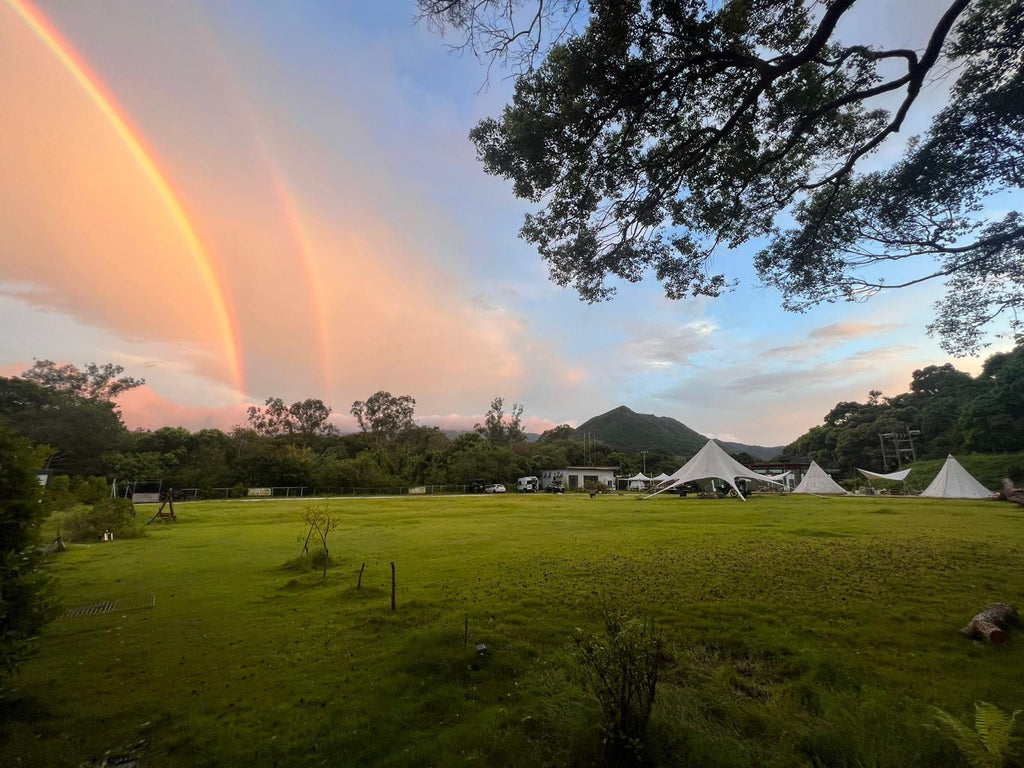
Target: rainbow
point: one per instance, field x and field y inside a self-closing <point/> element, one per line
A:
<point x="311" y="274"/>
<point x="65" y="54"/>
<point x="298" y="233"/>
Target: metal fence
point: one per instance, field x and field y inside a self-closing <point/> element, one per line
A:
<point x="311" y="491"/>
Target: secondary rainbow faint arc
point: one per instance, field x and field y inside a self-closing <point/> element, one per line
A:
<point x="65" y="54"/>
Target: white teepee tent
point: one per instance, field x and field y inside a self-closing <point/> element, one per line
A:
<point x="817" y="480"/>
<point x="955" y="482"/>
<point x="712" y="461"/>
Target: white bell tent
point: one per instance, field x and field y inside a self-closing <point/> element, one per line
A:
<point x="711" y="461"/>
<point x="955" y="482"/>
<point x="818" y="481"/>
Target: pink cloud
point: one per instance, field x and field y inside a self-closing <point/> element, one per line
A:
<point x="14" y="369"/>
<point x="145" y="408"/>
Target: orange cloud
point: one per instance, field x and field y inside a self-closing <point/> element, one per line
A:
<point x="145" y="408"/>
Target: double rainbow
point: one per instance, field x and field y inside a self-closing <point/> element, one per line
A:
<point x="66" y="55"/>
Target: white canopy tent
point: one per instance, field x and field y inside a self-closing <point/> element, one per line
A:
<point x="955" y="482"/>
<point x="712" y="461"/>
<point x="818" y="481"/>
<point x="660" y="479"/>
<point x="638" y="481"/>
<point x="897" y="477"/>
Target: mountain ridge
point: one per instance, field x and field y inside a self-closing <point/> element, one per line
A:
<point x="625" y="429"/>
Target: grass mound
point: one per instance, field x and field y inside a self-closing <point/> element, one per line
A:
<point x="315" y="560"/>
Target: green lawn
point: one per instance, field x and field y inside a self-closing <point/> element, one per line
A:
<point x="805" y="631"/>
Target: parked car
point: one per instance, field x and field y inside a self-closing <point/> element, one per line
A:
<point x="555" y="488"/>
<point x="476" y="486"/>
<point x="494" y="488"/>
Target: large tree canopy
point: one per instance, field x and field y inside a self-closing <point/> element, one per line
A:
<point x="656" y="133"/>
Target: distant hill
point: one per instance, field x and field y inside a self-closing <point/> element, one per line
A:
<point x="626" y="430"/>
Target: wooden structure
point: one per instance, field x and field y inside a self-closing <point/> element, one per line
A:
<point x="168" y="503"/>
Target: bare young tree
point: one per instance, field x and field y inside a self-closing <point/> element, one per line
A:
<point x="320" y="521"/>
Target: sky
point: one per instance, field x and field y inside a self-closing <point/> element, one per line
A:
<point x="241" y="199"/>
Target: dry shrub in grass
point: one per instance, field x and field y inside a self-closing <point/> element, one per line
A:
<point x="621" y="668"/>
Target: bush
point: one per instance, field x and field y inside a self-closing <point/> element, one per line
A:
<point x="89" y="522"/>
<point x="1015" y="470"/>
<point x="58" y="495"/>
<point x="24" y="606"/>
<point x="90" y="490"/>
<point x="621" y="668"/>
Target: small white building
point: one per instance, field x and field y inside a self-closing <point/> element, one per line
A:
<point x="579" y="478"/>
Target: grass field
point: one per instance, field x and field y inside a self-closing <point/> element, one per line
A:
<point x="804" y="631"/>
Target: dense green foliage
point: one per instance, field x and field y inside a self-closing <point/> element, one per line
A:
<point x="79" y="429"/>
<point x="88" y="522"/>
<point x="802" y="632"/>
<point x="953" y="411"/>
<point x="652" y="135"/>
<point x="22" y="603"/>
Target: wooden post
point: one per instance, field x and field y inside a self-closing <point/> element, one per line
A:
<point x="359" y="582"/>
<point x="392" y="585"/>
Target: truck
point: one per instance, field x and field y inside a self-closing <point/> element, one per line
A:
<point x="529" y="484"/>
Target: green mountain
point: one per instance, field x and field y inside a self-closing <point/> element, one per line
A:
<point x="626" y="430"/>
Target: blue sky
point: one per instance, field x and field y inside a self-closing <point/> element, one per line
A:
<point x="320" y="152"/>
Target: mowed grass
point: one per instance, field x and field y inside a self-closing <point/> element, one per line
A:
<point x="804" y="631"/>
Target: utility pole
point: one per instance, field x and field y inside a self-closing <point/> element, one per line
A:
<point x="643" y="455"/>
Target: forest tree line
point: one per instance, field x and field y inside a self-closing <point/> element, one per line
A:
<point x="953" y="411"/>
<point x="74" y="412"/>
<point x="284" y="445"/>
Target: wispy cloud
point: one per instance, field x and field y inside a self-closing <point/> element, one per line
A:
<point x="845" y="331"/>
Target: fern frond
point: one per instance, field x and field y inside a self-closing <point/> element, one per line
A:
<point x="995" y="727"/>
<point x="967" y="741"/>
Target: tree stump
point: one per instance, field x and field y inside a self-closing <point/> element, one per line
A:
<point x="993" y="623"/>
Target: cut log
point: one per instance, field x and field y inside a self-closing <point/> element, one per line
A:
<point x="993" y="623"/>
<point x="1010" y="493"/>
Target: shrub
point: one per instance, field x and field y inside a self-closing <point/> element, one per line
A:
<point x="89" y="522"/>
<point x="621" y="669"/>
<point x="90" y="490"/>
<point x="58" y="495"/>
<point x="23" y="608"/>
<point x="1015" y="469"/>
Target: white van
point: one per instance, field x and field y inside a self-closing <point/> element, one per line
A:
<point x="528" y="484"/>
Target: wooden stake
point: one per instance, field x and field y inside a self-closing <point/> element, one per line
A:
<point x="359" y="582"/>
<point x="392" y="585"/>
